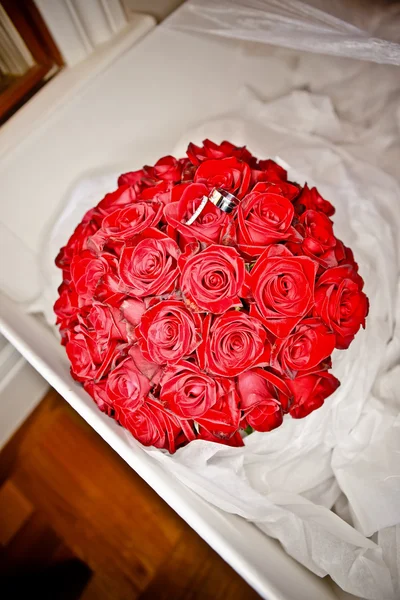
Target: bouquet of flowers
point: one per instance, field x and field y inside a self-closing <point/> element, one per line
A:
<point x="204" y="297"/>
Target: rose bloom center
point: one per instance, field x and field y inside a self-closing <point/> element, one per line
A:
<point x="127" y="388"/>
<point x="284" y="286"/>
<point x="215" y="280"/>
<point x="301" y="349"/>
<point x="269" y="215"/>
<point x="150" y="264"/>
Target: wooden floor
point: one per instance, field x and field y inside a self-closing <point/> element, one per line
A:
<point x="77" y="522"/>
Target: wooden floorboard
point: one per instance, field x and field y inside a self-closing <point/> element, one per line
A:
<point x="70" y="497"/>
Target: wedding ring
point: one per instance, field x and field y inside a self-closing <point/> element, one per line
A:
<point x="221" y="199"/>
<point x="198" y="210"/>
<point x="224" y="200"/>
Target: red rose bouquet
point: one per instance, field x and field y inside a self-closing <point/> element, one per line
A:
<point x="184" y="320"/>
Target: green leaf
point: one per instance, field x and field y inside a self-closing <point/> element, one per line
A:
<point x="249" y="430"/>
<point x="249" y="266"/>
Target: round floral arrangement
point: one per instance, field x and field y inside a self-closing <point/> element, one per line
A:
<point x="185" y="326"/>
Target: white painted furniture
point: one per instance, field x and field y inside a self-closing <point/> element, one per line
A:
<point x="21" y="388"/>
<point x="80" y="26"/>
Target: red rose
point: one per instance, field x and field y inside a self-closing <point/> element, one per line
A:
<point x="345" y="256"/>
<point x="187" y="391"/>
<point x="311" y="199"/>
<point x="221" y="422"/>
<point x="234" y="343"/>
<point x="165" y="169"/>
<point x="229" y="174"/>
<point x="126" y="389"/>
<point x="341" y="303"/>
<point x="306" y="347"/>
<point x="198" y="154"/>
<point x="310" y="391"/>
<point x="104" y="329"/>
<point x="97" y="341"/>
<point x="66" y="308"/>
<point x="282" y="188"/>
<point x="121" y="198"/>
<point x="90" y="355"/>
<point x="125" y="223"/>
<point x="87" y="270"/>
<point x="99" y="394"/>
<point x="212" y="225"/>
<point x="348" y="259"/>
<point x="148" y="267"/>
<point x="212" y="280"/>
<point x="108" y="322"/>
<point x="76" y="243"/>
<point x="168" y="332"/>
<point x="319" y="242"/>
<point x="269" y="170"/>
<point x="264" y="398"/>
<point x="188" y="170"/>
<point x="151" y="425"/>
<point x="109" y="291"/>
<point x="161" y="192"/>
<point x="137" y="180"/>
<point x="264" y="217"/>
<point x="283" y="288"/>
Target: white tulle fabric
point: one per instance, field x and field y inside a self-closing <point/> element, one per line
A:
<point x="337" y="28"/>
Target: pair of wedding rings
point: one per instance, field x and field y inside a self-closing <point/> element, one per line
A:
<point x="221" y="199"/>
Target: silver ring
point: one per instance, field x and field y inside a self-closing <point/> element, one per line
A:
<point x="224" y="200"/>
<point x="221" y="199"/>
<point x="198" y="211"/>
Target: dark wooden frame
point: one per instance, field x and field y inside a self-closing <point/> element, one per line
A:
<point x="30" y="25"/>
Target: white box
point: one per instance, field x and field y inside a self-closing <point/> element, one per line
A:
<point x="127" y="115"/>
